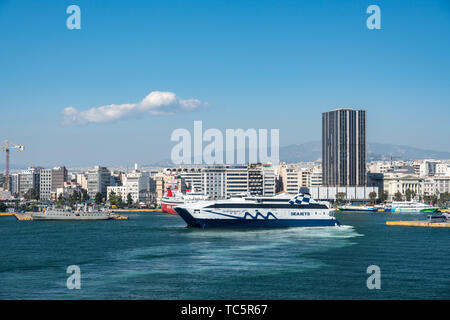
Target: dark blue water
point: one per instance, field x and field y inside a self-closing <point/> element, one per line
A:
<point x="152" y="256"/>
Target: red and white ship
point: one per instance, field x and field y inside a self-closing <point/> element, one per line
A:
<point x="173" y="199"/>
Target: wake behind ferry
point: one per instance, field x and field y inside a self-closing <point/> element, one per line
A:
<point x="248" y="212"/>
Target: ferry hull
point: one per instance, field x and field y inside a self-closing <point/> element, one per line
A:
<point x="431" y="210"/>
<point x="169" y="208"/>
<point x="410" y="210"/>
<point x="169" y="202"/>
<point x="252" y="223"/>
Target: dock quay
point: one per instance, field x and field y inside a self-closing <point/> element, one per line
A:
<point x="135" y="210"/>
<point x="419" y="224"/>
<point x="26" y="216"/>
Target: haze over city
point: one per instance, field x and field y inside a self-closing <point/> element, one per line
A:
<point x="113" y="91"/>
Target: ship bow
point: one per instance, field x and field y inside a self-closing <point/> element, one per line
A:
<point x="187" y="217"/>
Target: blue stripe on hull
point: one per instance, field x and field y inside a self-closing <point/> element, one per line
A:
<point x="253" y="223"/>
<point x="260" y="223"/>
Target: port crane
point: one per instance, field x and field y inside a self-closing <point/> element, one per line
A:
<point x="7" y="149"/>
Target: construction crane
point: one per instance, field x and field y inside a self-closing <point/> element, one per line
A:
<point x="7" y="148"/>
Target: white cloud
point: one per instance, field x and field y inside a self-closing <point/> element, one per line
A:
<point x="156" y="103"/>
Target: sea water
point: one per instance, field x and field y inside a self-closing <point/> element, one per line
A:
<point x="154" y="256"/>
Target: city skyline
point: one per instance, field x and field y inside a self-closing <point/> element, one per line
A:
<point x="423" y="177"/>
<point x="258" y="65"/>
<point x="311" y="156"/>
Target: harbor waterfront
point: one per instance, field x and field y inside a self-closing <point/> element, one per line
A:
<point x="154" y="256"/>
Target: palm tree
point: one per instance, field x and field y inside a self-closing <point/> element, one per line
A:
<point x="398" y="196"/>
<point x="373" y="197"/>
<point x="408" y="194"/>
<point x="384" y="195"/>
<point x="98" y="198"/>
<point x="129" y="200"/>
<point x="31" y="194"/>
<point x="340" y="196"/>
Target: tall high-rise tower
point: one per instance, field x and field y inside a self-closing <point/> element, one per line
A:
<point x="344" y="147"/>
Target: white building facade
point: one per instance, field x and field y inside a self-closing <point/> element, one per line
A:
<point x="45" y="184"/>
<point x="137" y="184"/>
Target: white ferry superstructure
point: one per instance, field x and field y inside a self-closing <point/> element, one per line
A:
<point x="249" y="212"/>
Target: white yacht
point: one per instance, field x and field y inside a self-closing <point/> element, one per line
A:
<point x="354" y="208"/>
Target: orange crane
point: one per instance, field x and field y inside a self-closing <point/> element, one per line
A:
<point x="7" y="148"/>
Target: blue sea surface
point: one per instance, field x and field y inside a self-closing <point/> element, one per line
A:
<point x="154" y="256"/>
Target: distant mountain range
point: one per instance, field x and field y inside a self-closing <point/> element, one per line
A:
<point x="383" y="151"/>
<point x="311" y="151"/>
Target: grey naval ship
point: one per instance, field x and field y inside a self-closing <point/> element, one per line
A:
<point x="69" y="214"/>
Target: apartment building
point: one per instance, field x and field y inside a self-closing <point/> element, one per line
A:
<point x="98" y="179"/>
<point x="45" y="184"/>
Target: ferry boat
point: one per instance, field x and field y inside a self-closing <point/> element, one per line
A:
<point x="69" y="214"/>
<point x="173" y="199"/>
<point x="249" y="212"/>
<point x="353" y="208"/>
<point x="410" y="207"/>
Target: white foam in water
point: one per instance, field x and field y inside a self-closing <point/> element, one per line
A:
<point x="279" y="233"/>
<point x="250" y="248"/>
<point x="250" y="251"/>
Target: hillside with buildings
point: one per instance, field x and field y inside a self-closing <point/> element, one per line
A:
<point x="311" y="151"/>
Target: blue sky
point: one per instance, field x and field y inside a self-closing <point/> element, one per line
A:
<point x="255" y="64"/>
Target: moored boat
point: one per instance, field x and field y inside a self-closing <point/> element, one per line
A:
<point x="409" y="207"/>
<point x="353" y="208"/>
<point x="69" y="214"/>
<point x="173" y="199"/>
